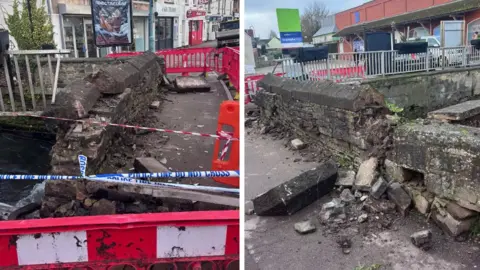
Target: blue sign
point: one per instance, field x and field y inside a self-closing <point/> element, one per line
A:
<point x="291" y="37"/>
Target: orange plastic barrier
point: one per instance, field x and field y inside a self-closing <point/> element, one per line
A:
<point x="183" y="240"/>
<point x="229" y="115"/>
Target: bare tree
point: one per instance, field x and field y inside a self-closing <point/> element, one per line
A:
<point x="311" y="19"/>
<point x="273" y="34"/>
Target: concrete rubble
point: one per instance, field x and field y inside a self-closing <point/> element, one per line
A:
<point x="305" y="227"/>
<point x="366" y="174"/>
<point x="422" y="239"/>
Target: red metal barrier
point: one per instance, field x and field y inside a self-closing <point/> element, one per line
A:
<point x="184" y="240"/>
<point x="251" y="87"/>
<point x="231" y="65"/>
<point x="225" y="61"/>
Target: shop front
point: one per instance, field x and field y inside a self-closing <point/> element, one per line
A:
<point x="196" y="26"/>
<point x="169" y="24"/>
<point x="213" y="23"/>
<point x="76" y="30"/>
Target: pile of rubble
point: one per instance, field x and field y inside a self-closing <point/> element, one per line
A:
<point x="372" y="198"/>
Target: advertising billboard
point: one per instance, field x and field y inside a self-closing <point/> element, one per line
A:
<point x="289" y="27"/>
<point x="112" y="21"/>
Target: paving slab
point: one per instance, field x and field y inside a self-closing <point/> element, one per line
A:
<point x="457" y="112"/>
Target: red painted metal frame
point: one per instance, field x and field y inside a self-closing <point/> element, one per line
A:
<point x="128" y="224"/>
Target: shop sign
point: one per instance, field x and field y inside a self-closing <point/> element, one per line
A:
<point x="169" y="1"/>
<point x="166" y="9"/>
<point x="203" y="1"/>
<point x="195" y="13"/>
<point x="112" y="21"/>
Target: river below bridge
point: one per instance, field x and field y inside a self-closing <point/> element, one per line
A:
<point x="22" y="153"/>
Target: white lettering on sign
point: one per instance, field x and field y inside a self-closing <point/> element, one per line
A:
<point x="169" y="9"/>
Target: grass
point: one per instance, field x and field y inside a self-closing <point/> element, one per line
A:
<point x="371" y="267"/>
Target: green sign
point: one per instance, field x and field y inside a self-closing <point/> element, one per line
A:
<point x="288" y="20"/>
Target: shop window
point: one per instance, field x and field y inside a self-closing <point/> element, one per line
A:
<point x="215" y="28"/>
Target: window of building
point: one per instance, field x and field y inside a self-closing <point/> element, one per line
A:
<point x="357" y="17"/>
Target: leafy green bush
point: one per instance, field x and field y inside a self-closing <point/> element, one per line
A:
<point x="19" y="25"/>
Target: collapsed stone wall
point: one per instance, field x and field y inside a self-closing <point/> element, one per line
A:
<point x="426" y="164"/>
<point x="419" y="93"/>
<point x="337" y="118"/>
<point x="118" y="94"/>
<point x="445" y="159"/>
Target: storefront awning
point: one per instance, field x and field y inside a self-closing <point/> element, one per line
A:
<point x="447" y="9"/>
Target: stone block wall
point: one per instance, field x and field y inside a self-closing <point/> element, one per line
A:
<point x="336" y="117"/>
<point x="419" y="93"/>
<point x="447" y="155"/>
<point x="105" y="97"/>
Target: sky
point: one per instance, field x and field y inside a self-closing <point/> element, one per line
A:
<point x="261" y="13"/>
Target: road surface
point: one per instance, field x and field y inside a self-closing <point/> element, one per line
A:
<point x="271" y="242"/>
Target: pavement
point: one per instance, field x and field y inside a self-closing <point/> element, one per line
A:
<point x="195" y="112"/>
<point x="272" y="243"/>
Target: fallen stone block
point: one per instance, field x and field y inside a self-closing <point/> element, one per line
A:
<point x="345" y="178"/>
<point x="367" y="172"/>
<point x="459" y="212"/>
<point x="422" y="239"/>
<point x="305" y="227"/>
<point x="74" y="101"/>
<point x="297" y="144"/>
<point x="400" y="197"/>
<point x="148" y="165"/>
<point x="457" y="112"/>
<point x="185" y="84"/>
<point x="379" y="188"/>
<point x="422" y="201"/>
<point x="450" y="225"/>
<point x="115" y="79"/>
<point x="295" y="194"/>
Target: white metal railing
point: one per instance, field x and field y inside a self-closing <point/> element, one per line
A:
<point x="344" y="67"/>
<point x="14" y="75"/>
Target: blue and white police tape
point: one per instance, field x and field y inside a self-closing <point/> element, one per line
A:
<point x="126" y="180"/>
<point x="37" y="177"/>
<point x="194" y="174"/>
<point x="117" y="179"/>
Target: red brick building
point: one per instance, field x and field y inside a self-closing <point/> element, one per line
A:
<point x="409" y="18"/>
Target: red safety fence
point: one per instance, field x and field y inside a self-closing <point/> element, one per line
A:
<point x="251" y="86"/>
<point x="186" y="60"/>
<point x="183" y="240"/>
